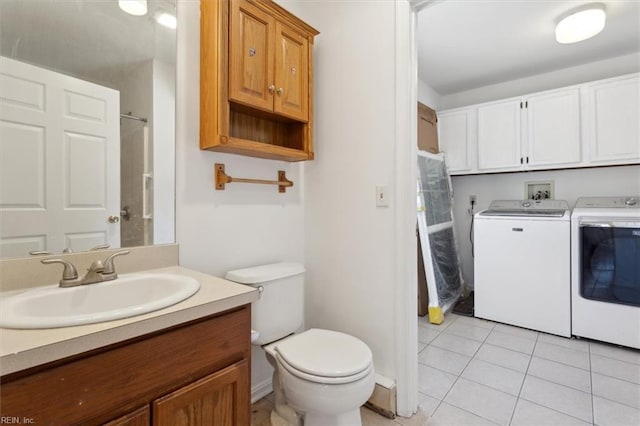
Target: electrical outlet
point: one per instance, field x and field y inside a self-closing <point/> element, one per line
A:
<point x="472" y="199"/>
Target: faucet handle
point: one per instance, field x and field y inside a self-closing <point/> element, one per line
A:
<point x="70" y="272"/>
<point x="109" y="266"/>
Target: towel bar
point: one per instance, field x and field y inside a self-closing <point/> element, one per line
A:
<point x="222" y="178"/>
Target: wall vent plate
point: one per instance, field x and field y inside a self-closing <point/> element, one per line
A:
<point x="539" y="190"/>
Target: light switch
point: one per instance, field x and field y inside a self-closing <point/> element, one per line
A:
<point x="382" y="196"/>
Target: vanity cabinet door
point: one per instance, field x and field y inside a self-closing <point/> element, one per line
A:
<point x="218" y="399"/>
<point x="140" y="417"/>
<point x="251" y="56"/>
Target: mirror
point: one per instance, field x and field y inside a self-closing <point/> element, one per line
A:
<point x="87" y="125"/>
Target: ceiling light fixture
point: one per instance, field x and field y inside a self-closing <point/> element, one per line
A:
<point x="167" y="19"/>
<point x="134" y="7"/>
<point x="581" y="23"/>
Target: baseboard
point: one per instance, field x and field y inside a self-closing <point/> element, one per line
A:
<point x="383" y="398"/>
<point x="261" y="390"/>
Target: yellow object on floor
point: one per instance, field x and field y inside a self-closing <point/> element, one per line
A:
<point x="435" y="315"/>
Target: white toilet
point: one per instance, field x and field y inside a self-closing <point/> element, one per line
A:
<point x="321" y="377"/>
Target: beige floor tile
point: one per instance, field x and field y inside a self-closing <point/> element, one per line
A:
<point x="444" y="360"/>
<point x="482" y="401"/>
<point x="504" y="357"/>
<point x="448" y="415"/>
<point x="496" y="377"/>
<point x="457" y="344"/>
<point x="557" y="397"/>
<point x="434" y="382"/>
<point x="617" y="390"/>
<point x="511" y="341"/>
<point x="562" y="374"/>
<point x="575" y="344"/>
<point x="609" y="413"/>
<point x="615" y="352"/>
<point x="530" y="414"/>
<point x="427" y="334"/>
<point x="516" y="331"/>
<point x="615" y="368"/>
<point x="563" y="355"/>
<point x="465" y="329"/>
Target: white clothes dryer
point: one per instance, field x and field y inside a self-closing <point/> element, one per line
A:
<point x="522" y="264"/>
<point x="605" y="283"/>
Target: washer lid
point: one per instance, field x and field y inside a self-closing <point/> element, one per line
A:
<point x="326" y="353"/>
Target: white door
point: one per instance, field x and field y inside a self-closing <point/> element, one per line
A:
<point x="613" y="111"/>
<point x="499" y="136"/>
<point x="59" y="161"/>
<point x="553" y="129"/>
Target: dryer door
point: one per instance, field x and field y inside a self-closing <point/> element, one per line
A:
<point x="610" y="262"/>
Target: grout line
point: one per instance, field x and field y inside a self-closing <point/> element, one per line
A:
<point x="553" y="409"/>
<point x="471" y="412"/>
<point x="524" y="378"/>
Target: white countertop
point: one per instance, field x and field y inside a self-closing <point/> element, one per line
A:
<point x="22" y="349"/>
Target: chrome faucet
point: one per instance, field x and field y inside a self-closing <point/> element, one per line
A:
<point x="97" y="272"/>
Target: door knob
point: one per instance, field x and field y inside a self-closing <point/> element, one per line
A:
<point x="114" y="219"/>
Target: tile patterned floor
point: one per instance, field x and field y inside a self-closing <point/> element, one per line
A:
<point x="476" y="372"/>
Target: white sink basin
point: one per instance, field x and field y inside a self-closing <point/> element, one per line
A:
<point x="127" y="296"/>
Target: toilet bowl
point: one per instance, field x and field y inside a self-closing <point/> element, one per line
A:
<point x="324" y="376"/>
<point x="321" y="377"/>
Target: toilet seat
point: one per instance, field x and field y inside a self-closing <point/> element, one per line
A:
<point x="325" y="356"/>
<point x="323" y="379"/>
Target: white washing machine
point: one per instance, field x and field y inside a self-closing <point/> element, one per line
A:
<point x="605" y="284"/>
<point x="522" y="264"/>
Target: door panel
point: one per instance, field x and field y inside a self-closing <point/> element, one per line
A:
<point x="251" y="56"/>
<point x="291" y="73"/>
<point x="60" y="161"/>
<point x="213" y="400"/>
<point x="499" y="136"/>
<point x="553" y="123"/>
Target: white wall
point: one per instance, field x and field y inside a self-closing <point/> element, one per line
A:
<point x="244" y="225"/>
<point x="349" y="242"/>
<point x="569" y="185"/>
<point x="565" y="77"/>
<point x="428" y="96"/>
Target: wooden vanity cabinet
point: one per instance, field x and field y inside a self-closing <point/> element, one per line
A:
<point x="256" y="80"/>
<point x="193" y="374"/>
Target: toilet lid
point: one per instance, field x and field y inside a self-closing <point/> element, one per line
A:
<point x="326" y="353"/>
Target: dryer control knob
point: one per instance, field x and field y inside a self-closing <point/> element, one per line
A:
<point x="631" y="201"/>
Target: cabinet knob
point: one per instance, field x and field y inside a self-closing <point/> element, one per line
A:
<point x="280" y="90"/>
<point x="272" y="88"/>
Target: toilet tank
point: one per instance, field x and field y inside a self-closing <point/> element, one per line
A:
<point x="279" y="310"/>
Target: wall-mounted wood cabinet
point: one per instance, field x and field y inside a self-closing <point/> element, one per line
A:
<point x="256" y="80"/>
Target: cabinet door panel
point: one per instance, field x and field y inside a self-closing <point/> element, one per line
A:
<point x="553" y="123"/>
<point x="614" y="108"/>
<point x="499" y="136"/>
<point x="220" y="399"/>
<point x="455" y="139"/>
<point x="291" y="73"/>
<point x="251" y="53"/>
<point x="140" y="417"/>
